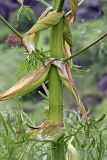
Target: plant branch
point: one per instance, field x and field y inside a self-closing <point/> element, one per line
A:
<point x="44" y="3"/>
<point x="10" y="26"/>
<point x="84" y="49"/>
<point x="79" y="4"/>
<point x="60" y="6"/>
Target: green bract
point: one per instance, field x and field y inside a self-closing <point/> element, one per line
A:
<point x="27" y="84"/>
<point x="74" y="7"/>
<point x="46" y="20"/>
<point x="67" y="33"/>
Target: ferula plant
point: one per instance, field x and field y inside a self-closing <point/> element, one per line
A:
<point x="56" y="66"/>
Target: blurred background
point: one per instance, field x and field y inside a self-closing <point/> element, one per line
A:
<point x="92" y="84"/>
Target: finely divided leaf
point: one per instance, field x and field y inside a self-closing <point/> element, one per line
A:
<point x="26" y="11"/>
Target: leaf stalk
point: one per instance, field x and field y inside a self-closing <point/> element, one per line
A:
<point x="44" y="3"/>
<point x="11" y="27"/>
<point x="84" y="49"/>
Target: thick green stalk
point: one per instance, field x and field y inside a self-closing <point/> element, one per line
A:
<point x="55" y="84"/>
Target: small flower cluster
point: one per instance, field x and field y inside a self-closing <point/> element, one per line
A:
<point x="13" y="40"/>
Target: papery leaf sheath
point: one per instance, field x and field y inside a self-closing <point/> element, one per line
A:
<point x="30" y="42"/>
<point x="67" y="40"/>
<point x="46" y="20"/>
<point x="48" y="131"/>
<point x="74" y="7"/>
<point x="67" y="32"/>
<point x="66" y="77"/>
<point x="50" y="20"/>
<point x="27" y="84"/>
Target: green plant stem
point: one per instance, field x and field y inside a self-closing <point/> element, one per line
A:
<point x="84" y="49"/>
<point x="10" y="26"/>
<point x="44" y="3"/>
<point x="60" y="6"/>
<point x="55" y="84"/>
